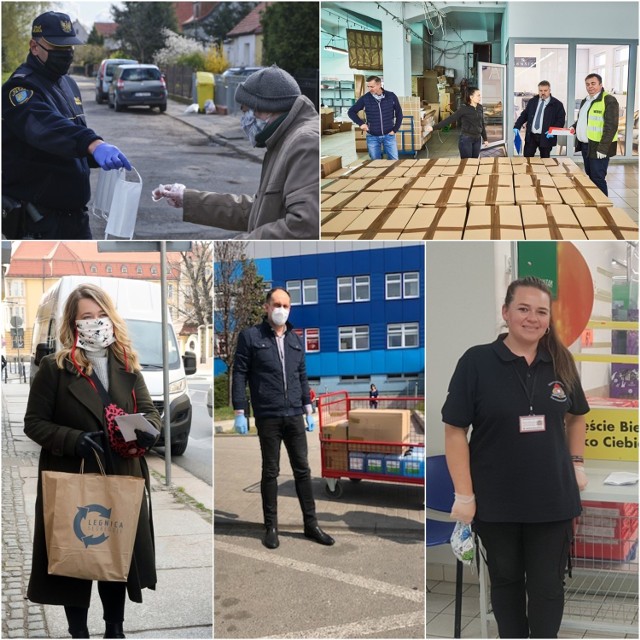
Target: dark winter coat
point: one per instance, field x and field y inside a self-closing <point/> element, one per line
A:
<point x="611" y="120"/>
<point x="257" y="363"/>
<point x="553" y="116"/>
<point x="383" y="116"/>
<point x="61" y="406"/>
<point x="471" y="121"/>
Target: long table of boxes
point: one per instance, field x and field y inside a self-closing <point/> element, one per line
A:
<point x="472" y="199"/>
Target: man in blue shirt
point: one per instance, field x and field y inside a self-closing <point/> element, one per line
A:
<point x="384" y="118"/>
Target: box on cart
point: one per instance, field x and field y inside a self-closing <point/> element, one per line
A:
<point x="381" y="425"/>
<point x="336" y="454"/>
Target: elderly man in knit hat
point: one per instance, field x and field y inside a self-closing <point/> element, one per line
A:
<point x="276" y="116"/>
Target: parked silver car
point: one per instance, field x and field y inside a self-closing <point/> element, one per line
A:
<point x="138" y="85"/>
<point x="105" y="75"/>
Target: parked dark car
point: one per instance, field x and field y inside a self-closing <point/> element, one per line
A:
<point x="138" y="85"/>
<point x="105" y="75"/>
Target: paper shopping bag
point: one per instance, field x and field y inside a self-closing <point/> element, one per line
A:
<point x="90" y="524"/>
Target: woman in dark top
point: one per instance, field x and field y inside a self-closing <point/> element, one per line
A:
<point x="472" y="129"/>
<point x="520" y="475"/>
<point x="373" y="397"/>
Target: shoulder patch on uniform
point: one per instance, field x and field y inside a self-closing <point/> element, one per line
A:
<point x="77" y="100"/>
<point x="19" y="95"/>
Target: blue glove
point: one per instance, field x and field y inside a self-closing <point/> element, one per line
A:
<point x="516" y="130"/>
<point x="240" y="424"/>
<point x="549" y="135"/>
<point x="310" y="423"/>
<point x="110" y="157"/>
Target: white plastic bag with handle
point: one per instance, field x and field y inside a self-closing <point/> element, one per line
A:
<point x="117" y="201"/>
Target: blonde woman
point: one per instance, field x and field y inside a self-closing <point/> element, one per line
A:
<point x="67" y="416"/>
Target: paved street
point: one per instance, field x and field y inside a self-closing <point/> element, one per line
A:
<point x="207" y="153"/>
<point x="181" y="606"/>
<point x="370" y="584"/>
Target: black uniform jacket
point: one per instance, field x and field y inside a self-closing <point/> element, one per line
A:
<point x="45" y="140"/>
<point x="517" y="476"/>
<point x="61" y="406"/>
<point x="258" y="363"/>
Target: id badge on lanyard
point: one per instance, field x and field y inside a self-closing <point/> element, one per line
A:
<point x="531" y="423"/>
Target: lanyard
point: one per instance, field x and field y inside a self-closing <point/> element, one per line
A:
<point x="528" y="393"/>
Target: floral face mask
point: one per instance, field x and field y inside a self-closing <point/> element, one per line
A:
<point x="94" y="334"/>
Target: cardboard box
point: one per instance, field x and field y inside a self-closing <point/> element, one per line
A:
<point x="334" y="222"/>
<point x="339" y="201"/>
<point x="537" y="195"/>
<point x="336" y="455"/>
<point x="360" y="139"/>
<point x="346" y="125"/>
<point x="581" y="196"/>
<point x="381" y="425"/>
<point x="461" y="167"/>
<point x="600" y="222"/>
<point x="492" y="189"/>
<point x="498" y="222"/>
<point x="448" y="190"/>
<point x="386" y="184"/>
<point x="378" y="224"/>
<point x="556" y="221"/>
<point x="326" y="118"/>
<point x="430" y="223"/>
<point x="329" y="164"/>
<point x="347" y="185"/>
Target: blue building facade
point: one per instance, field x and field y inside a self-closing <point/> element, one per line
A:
<point x="359" y="310"/>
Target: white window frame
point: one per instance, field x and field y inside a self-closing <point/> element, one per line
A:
<point x="408" y="278"/>
<point x="294" y="288"/>
<point x="306" y="336"/>
<point x="397" y="280"/>
<point x="344" y="283"/>
<point x="404" y="330"/>
<point x="356" y="285"/>
<point x="310" y="284"/>
<point x="352" y="333"/>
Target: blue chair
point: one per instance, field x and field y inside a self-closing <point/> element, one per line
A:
<point x="439" y="490"/>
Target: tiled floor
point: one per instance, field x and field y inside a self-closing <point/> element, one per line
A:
<point x="622" y="179"/>
<point x="440" y="615"/>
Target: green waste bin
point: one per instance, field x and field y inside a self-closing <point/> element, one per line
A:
<point x="204" y="88"/>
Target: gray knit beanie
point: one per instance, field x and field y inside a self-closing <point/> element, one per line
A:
<point x="272" y="90"/>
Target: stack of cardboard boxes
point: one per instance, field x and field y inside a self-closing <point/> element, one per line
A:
<point x="486" y="198"/>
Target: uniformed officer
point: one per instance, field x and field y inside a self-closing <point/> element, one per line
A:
<point x="47" y="148"/>
<point x="519" y="477"/>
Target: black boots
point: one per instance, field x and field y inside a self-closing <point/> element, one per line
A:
<point x="113" y="630"/>
<point x="317" y="534"/>
<point x="270" y="539"/>
<point x="79" y="632"/>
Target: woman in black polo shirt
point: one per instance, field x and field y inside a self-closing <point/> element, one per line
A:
<point x="520" y="475"/>
<point x="472" y="130"/>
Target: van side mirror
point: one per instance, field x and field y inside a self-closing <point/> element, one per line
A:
<point x="42" y="350"/>
<point x="190" y="362"/>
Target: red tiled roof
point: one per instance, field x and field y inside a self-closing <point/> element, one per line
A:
<point x="50" y="259"/>
<point x="250" y="23"/>
<point x="185" y="11"/>
<point x="106" y="29"/>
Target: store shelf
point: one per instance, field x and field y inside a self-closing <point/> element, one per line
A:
<point x="337" y="94"/>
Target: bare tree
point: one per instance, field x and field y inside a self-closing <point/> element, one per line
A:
<point x="195" y="299"/>
<point x="239" y="294"/>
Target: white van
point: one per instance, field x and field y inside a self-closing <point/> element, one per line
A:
<point x="138" y="302"/>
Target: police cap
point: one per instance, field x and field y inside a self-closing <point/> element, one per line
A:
<point x="55" y="28"/>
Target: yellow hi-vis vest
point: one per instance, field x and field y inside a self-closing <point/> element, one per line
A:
<point x="595" y="120"/>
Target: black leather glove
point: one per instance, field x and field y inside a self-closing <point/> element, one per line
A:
<point x="88" y="443"/>
<point x="145" y="439"/>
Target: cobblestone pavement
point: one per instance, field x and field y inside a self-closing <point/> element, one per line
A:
<point x="20" y="618"/>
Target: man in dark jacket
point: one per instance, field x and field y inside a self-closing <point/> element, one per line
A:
<point x="542" y="111"/>
<point x="270" y="358"/>
<point x="384" y="118"/>
<point x="47" y="148"/>
<point x="596" y="131"/>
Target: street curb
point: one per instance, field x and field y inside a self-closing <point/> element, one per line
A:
<point x="216" y="139"/>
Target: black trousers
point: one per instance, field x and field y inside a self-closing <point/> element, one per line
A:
<point x="59" y="225"/>
<point x="526" y="563"/>
<point x="532" y="143"/>
<point x="469" y="147"/>
<point x="272" y="432"/>
<point x="112" y="595"/>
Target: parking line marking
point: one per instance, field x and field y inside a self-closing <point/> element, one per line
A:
<point x="373" y="586"/>
<point x="362" y="628"/>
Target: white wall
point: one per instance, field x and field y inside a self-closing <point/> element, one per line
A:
<point x="618" y="20"/>
<point x="466" y="283"/>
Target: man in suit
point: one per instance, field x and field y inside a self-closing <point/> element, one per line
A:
<point x="542" y="111"/>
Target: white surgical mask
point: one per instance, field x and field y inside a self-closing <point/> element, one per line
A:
<point x="95" y="334"/>
<point x="279" y="316"/>
<point x="252" y="126"/>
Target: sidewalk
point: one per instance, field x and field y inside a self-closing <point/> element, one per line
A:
<point x="222" y="130"/>
<point x="181" y="606"/>
<point x="384" y="509"/>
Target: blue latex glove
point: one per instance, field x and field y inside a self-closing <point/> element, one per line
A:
<point x="516" y="130"/>
<point x="601" y="156"/>
<point x="310" y="423"/>
<point x="549" y="135"/>
<point x="240" y="424"/>
<point x="110" y="157"/>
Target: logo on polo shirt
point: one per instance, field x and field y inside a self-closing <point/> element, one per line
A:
<point x="557" y="392"/>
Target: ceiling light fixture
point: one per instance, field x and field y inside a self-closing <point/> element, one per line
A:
<point x="330" y="47"/>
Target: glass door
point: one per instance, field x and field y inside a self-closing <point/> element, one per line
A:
<point x="492" y="82"/>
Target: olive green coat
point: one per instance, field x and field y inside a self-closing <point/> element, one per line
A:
<point x="61" y="406"/>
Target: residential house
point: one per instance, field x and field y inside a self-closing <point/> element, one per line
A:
<point x="243" y="44"/>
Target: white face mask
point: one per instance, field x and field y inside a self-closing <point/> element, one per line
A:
<point x="252" y="126"/>
<point x="279" y="316"/>
<point x="95" y="334"/>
